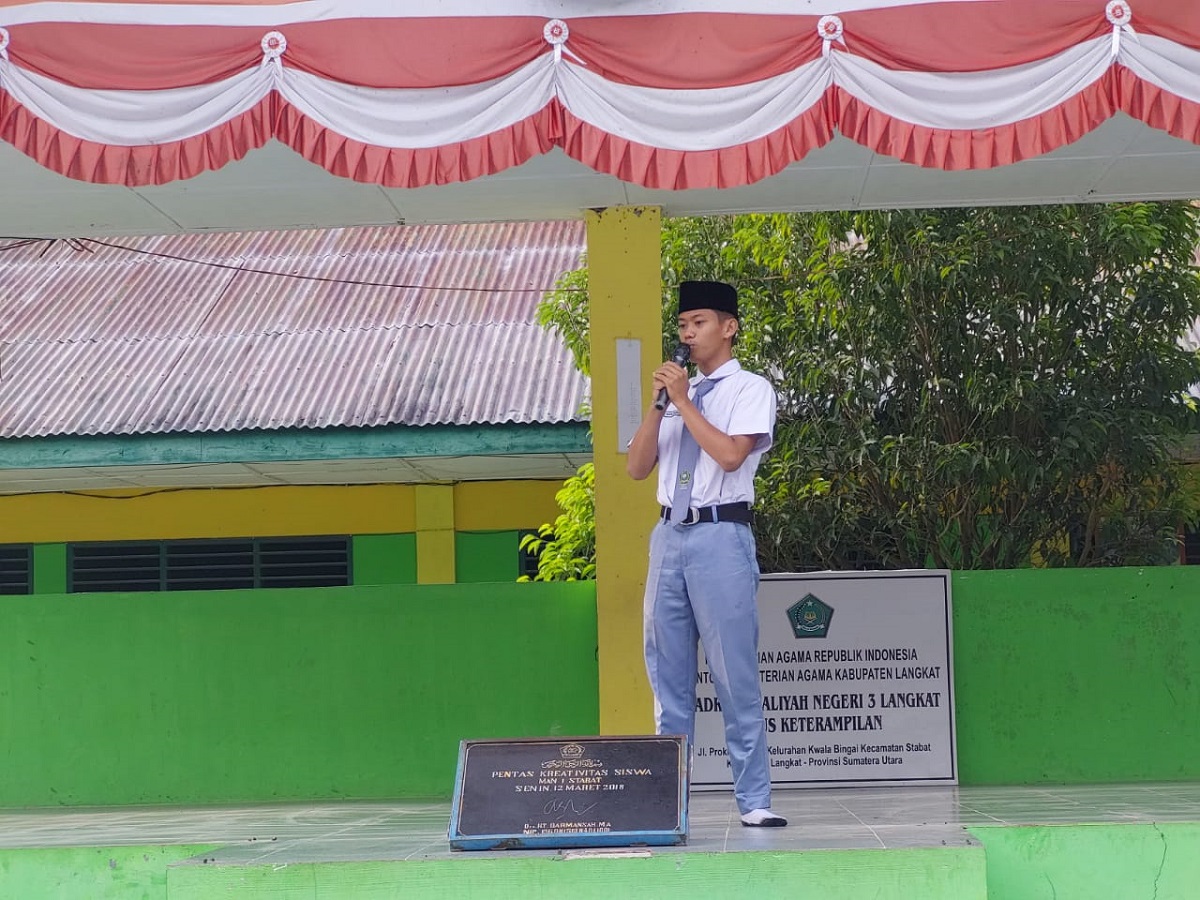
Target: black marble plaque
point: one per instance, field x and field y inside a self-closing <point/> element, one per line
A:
<point x="570" y="792"/>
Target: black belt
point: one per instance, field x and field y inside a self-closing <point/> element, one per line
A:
<point x="726" y="512"/>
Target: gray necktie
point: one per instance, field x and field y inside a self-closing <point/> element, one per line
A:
<point x="689" y="455"/>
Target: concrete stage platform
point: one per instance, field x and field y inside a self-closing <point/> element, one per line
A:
<point x="1123" y="842"/>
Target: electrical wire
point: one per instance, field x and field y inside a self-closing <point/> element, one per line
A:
<point x="81" y="244"/>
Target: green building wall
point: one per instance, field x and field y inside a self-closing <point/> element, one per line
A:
<point x="1078" y="675"/>
<point x="401" y="533"/>
<point x="487" y="556"/>
<point x="49" y="568"/>
<point x="221" y="696"/>
<point x="384" y="559"/>
<point x="480" y="556"/>
<point x="1061" y="676"/>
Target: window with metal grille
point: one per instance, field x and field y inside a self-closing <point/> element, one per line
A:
<point x="1191" y="547"/>
<point x="224" y="564"/>
<point x="528" y="563"/>
<point x="16" y="569"/>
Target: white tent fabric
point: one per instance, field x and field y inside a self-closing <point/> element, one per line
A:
<point x="697" y="101"/>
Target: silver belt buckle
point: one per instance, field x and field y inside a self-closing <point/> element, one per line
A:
<point x="693" y="516"/>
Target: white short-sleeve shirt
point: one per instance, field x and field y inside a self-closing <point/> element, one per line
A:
<point x="740" y="403"/>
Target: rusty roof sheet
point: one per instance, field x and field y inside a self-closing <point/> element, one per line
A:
<point x="353" y="327"/>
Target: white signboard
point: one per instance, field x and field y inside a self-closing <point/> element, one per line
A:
<point x="857" y="682"/>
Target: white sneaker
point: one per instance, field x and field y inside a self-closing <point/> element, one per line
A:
<point x="763" y="818"/>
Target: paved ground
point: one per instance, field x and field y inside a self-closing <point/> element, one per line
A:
<point x="826" y="818"/>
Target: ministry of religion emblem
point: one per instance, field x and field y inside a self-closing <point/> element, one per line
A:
<point x="810" y="617"/>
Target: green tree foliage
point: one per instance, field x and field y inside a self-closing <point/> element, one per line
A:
<point x="963" y="388"/>
<point x="566" y="548"/>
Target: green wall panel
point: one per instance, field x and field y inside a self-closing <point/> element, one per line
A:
<point x="222" y="696"/>
<point x="1065" y="676"/>
<point x="1096" y="862"/>
<point x="90" y="873"/>
<point x="49" y="568"/>
<point x="1077" y="675"/>
<point x="486" y="556"/>
<point x="918" y="874"/>
<point x="384" y="558"/>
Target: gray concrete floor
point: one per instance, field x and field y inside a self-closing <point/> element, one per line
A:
<point x="826" y="818"/>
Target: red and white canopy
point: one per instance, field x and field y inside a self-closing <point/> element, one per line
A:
<point x="670" y="94"/>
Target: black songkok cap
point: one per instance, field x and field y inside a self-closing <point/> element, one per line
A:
<point x="708" y="295"/>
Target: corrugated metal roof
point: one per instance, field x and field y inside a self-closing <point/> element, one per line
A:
<point x="173" y="334"/>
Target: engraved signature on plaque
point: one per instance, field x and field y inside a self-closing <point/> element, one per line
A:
<point x="570" y="772"/>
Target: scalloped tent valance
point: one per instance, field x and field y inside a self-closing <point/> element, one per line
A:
<point x="691" y="94"/>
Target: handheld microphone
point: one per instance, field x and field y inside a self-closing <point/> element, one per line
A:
<point x="680" y="358"/>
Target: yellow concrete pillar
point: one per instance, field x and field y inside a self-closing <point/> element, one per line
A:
<point x="624" y="275"/>
<point x="434" y="519"/>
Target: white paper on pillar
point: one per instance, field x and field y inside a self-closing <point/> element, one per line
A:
<point x="630" y="391"/>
